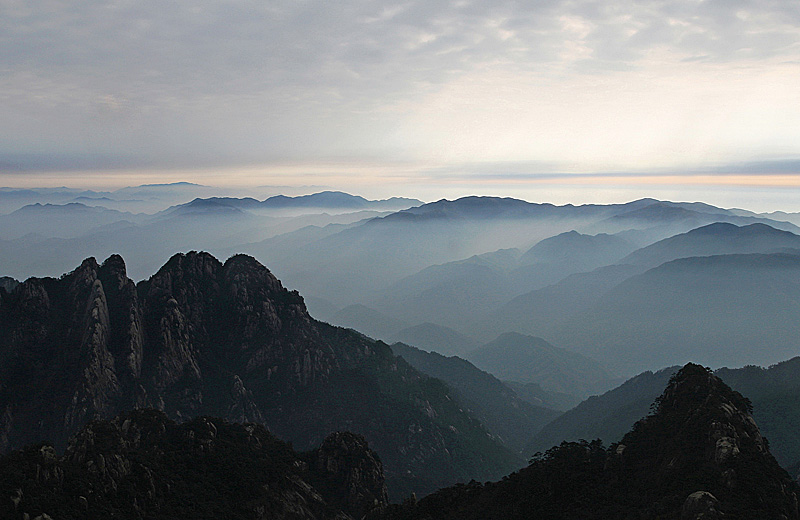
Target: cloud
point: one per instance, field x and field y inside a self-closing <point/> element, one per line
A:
<point x="252" y="80"/>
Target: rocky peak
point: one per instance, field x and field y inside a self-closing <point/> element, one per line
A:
<point x="203" y="338"/>
<point x="351" y="471"/>
<point x="699" y="455"/>
<point x="7" y="284"/>
<point x="701" y="433"/>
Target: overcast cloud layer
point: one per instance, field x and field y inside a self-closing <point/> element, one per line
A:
<point x="570" y="85"/>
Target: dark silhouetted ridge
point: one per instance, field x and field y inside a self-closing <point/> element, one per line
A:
<point x="142" y="465"/>
<point x="207" y="338"/>
<point x="699" y="455"/>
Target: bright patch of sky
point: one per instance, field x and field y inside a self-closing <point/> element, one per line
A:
<point x="424" y="92"/>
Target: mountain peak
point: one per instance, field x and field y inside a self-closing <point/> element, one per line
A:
<point x="695" y="386"/>
<point x="701" y="438"/>
<point x="699" y="455"/>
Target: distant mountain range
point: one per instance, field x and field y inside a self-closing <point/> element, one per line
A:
<point x="634" y="286"/>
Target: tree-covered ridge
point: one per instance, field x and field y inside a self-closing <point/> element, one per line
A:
<point x="698" y="455"/>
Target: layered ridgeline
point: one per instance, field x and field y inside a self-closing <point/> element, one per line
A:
<point x="205" y="338"/>
<point x="142" y="465"/>
<point x="698" y="455"/>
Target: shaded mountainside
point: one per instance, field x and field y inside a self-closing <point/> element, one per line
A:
<point x="775" y="392"/>
<point x="528" y="359"/>
<point x="712" y="309"/>
<point x="608" y="416"/>
<point x="437" y="338"/>
<point x="698" y="455"/>
<point x="368" y="321"/>
<point x="497" y="406"/>
<point x="458" y="294"/>
<point x="538" y="396"/>
<point x="542" y="311"/>
<point x="205" y="338"/>
<point x="142" y="465"/>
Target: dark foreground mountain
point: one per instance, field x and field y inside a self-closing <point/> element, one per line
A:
<point x="774" y="392"/>
<point x="142" y="465"/>
<point x="227" y="340"/>
<point x="698" y="455"/>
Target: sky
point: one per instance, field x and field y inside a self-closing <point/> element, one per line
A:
<point x="571" y="100"/>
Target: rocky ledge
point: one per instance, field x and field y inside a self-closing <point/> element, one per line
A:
<point x="143" y="465"/>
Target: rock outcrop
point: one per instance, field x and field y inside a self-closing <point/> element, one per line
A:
<point x="203" y="337"/>
<point x="348" y="470"/>
<point x="143" y="465"/>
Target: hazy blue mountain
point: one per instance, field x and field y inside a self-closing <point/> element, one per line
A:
<point x="527" y="359"/>
<point x="719" y="238"/>
<point x="557" y="257"/>
<point x="206" y="207"/>
<point x="12" y="199"/>
<point x="608" y="416"/>
<point x="712" y="309"/>
<point x="662" y="219"/>
<point x="363" y="261"/>
<point x="368" y="258"/>
<point x="538" y="396"/>
<point x="453" y="294"/>
<point x="436" y="338"/>
<point x="496" y="405"/>
<point x="368" y="321"/>
<point x="59" y="221"/>
<point x="150" y="240"/>
<point x="783" y="216"/>
<point x="461" y="293"/>
<point x="337" y="200"/>
<point x="543" y="310"/>
<point x="578" y="251"/>
<point x="212" y="204"/>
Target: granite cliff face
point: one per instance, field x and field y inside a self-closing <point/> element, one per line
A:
<point x="699" y="455"/>
<point x="143" y="465"/>
<point x="202" y="337"/>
